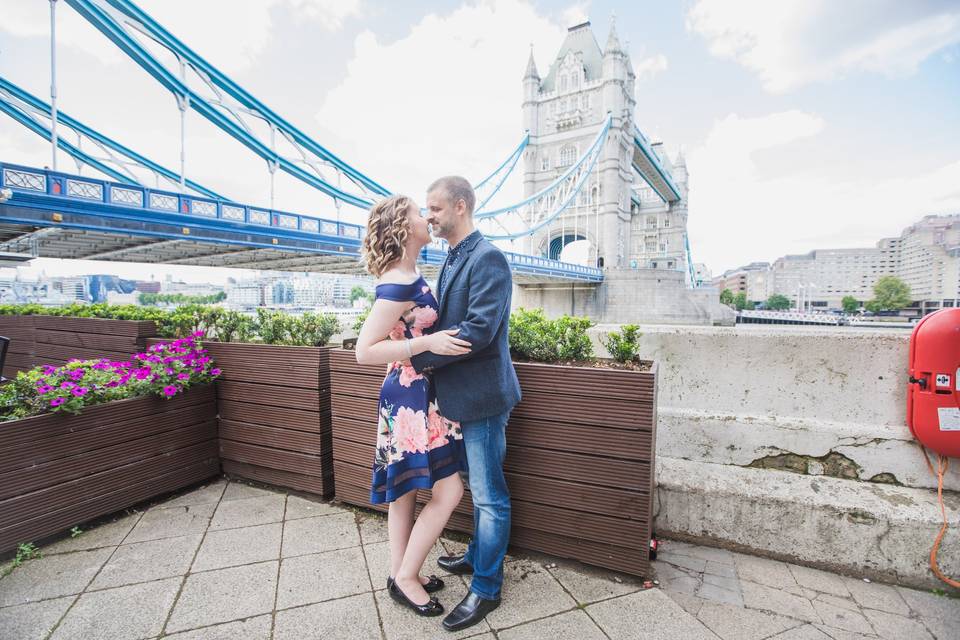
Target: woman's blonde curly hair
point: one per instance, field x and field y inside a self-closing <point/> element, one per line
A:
<point x="387" y="229"/>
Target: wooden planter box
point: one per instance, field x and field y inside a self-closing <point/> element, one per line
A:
<point x="274" y="404"/>
<point x="36" y="340"/>
<point x="60" y="470"/>
<point x="580" y="458"/>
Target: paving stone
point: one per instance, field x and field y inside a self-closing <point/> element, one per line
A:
<point x="400" y="623"/>
<point x="144" y="561"/>
<point x="256" y="628"/>
<point x="207" y="494"/>
<point x="240" y="491"/>
<point x="877" y="596"/>
<point x="171" y="522"/>
<point x="132" y="611"/>
<point x="109" y="534"/>
<point x="378" y="563"/>
<point x="453" y="547"/>
<point x="572" y="624"/>
<point x="647" y="615"/>
<point x="322" y="576"/>
<point x="374" y="529"/>
<point x="731" y="584"/>
<point x="353" y="618"/>
<point x="664" y="571"/>
<point x="770" y="573"/>
<point x="238" y="546"/>
<point x="890" y="626"/>
<point x="320" y="533"/>
<point x="843" y="603"/>
<point x="838" y="634"/>
<point x="34" y="620"/>
<point x="806" y="632"/>
<point x="719" y="556"/>
<point x="50" y="577"/>
<point x="929" y="605"/>
<point x="248" y="512"/>
<point x="841" y="618"/>
<point x="757" y="596"/>
<point x="720" y="594"/>
<point x="690" y="604"/>
<point x="298" y="507"/>
<point x="686" y="562"/>
<point x="529" y="592"/>
<point x="686" y="585"/>
<point x="819" y="580"/>
<point x="715" y="568"/>
<point x="736" y="623"/>
<point x="223" y="595"/>
<point x="587" y="584"/>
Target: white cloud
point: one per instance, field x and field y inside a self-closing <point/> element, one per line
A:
<point x="444" y="99"/>
<point x="739" y="213"/>
<point x="230" y="34"/>
<point x="647" y="68"/>
<point x="791" y="43"/>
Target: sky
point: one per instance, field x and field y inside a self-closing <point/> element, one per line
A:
<point x="806" y="124"/>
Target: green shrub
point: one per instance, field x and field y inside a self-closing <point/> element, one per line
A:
<point x="314" y="329"/>
<point x="534" y="337"/>
<point x="623" y="345"/>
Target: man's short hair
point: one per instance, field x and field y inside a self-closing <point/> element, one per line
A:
<point x="456" y="188"/>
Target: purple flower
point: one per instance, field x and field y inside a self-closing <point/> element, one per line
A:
<point x="45" y="389"/>
<point x="113" y="383"/>
<point x="168" y="371"/>
<point x="80" y="391"/>
<point x="169" y="390"/>
<point x="143" y="374"/>
<point x="183" y="376"/>
<point x="197" y="334"/>
<point x="56" y="402"/>
<point x="215" y="372"/>
<point x="49" y="370"/>
<point x="67" y="385"/>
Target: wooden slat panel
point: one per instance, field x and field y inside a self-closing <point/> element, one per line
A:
<point x="277" y="458"/>
<point x="282" y="417"/>
<point x="57" y="355"/>
<point x="96" y="341"/>
<point x="269" y="394"/>
<point x="299" y="441"/>
<point x="288" y="479"/>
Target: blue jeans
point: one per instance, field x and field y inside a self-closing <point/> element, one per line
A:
<point x="486" y="445"/>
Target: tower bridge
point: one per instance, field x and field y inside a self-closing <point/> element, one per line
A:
<point x="589" y="175"/>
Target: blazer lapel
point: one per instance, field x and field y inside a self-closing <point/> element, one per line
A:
<point x="467" y="250"/>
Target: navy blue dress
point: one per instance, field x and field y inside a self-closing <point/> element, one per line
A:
<point x="416" y="445"/>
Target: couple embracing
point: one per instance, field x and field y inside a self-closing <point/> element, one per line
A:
<point x="447" y="395"/>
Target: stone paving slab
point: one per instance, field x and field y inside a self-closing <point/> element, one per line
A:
<point x="230" y="560"/>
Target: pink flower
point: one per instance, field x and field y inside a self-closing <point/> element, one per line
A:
<point x="169" y="390"/>
<point x="409" y="431"/>
<point x="45" y="389"/>
<point x="80" y="391"/>
<point x="183" y="376"/>
<point x="66" y="385"/>
<point x="215" y="372"/>
<point x="423" y="317"/>
<point x="397" y="333"/>
<point x="408" y="375"/>
<point x="56" y="402"/>
<point x="437" y="430"/>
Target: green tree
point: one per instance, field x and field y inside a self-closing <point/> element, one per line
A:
<point x="358" y="292"/>
<point x="890" y="293"/>
<point x="726" y="296"/>
<point x="740" y="301"/>
<point x="778" y="302"/>
<point x="850" y="304"/>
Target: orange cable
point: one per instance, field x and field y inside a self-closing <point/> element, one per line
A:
<point x="942" y="463"/>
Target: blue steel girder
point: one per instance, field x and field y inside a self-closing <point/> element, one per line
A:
<point x="651" y="169"/>
<point x="18" y="104"/>
<point x="48" y="199"/>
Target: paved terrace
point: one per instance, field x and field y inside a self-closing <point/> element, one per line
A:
<point x="233" y="561"/>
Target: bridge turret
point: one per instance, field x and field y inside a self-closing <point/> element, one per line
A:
<point x="531" y="92"/>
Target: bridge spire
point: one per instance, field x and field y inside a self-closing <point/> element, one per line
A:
<point x="613" y="42"/>
<point x="531" y="67"/>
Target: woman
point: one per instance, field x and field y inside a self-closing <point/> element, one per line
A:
<point x="416" y="447"/>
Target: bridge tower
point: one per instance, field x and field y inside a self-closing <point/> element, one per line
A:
<point x="635" y="234"/>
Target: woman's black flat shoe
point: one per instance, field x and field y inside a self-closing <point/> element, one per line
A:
<point x="432" y="608"/>
<point x="433" y="585"/>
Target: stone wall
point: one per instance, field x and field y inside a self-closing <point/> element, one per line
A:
<point x="792" y="442"/>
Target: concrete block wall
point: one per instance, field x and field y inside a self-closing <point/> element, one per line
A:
<point x="792" y="442"/>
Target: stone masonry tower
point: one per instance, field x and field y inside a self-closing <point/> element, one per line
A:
<point x="635" y="234"/>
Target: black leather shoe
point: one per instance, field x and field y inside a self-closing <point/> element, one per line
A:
<point x="471" y="610"/>
<point x="455" y="564"/>
<point x="433" y="585"/>
<point x="432" y="608"/>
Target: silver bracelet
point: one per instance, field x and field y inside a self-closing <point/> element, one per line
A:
<point x="409" y="350"/>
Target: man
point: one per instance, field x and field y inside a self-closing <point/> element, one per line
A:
<point x="477" y="389"/>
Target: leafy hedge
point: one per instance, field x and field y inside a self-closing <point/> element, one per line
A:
<point x="217" y="323"/>
<point x="534" y="337"/>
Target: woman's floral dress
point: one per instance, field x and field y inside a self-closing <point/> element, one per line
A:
<point x="416" y="446"/>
